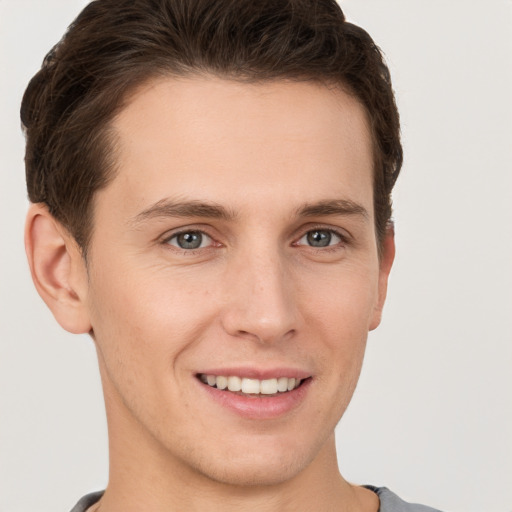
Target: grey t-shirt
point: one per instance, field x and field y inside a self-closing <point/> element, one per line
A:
<point x="389" y="502"/>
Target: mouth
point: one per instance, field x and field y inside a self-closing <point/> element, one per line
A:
<point x="256" y="394"/>
<point x="244" y="386"/>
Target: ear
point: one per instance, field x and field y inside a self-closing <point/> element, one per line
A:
<point x="58" y="269"/>
<point x="387" y="257"/>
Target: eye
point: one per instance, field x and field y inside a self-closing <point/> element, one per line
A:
<point x="320" y="238"/>
<point x="190" y="240"/>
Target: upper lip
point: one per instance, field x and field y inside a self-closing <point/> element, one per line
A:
<point x="257" y="373"/>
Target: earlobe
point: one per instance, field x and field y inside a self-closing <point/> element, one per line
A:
<point x="57" y="269"/>
<point x="386" y="262"/>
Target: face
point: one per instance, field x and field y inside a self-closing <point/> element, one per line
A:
<point x="234" y="274"/>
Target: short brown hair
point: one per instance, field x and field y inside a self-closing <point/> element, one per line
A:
<point x="115" y="45"/>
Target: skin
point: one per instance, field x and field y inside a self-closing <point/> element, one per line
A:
<point x="255" y="294"/>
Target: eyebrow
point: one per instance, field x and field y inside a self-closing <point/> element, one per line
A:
<point x="169" y="208"/>
<point x="344" y="207"/>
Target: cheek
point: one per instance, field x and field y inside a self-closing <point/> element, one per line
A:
<point x="343" y="302"/>
<point x="143" y="321"/>
<point x="144" y="330"/>
<point x="339" y="317"/>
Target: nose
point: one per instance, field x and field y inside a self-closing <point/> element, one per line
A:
<point x="260" y="299"/>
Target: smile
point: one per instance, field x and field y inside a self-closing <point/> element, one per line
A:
<point x="251" y="386"/>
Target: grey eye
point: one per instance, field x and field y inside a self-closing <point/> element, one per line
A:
<point x="190" y="240"/>
<point x="320" y="238"/>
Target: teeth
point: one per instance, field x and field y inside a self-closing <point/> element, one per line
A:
<point x="234" y="383"/>
<point x="221" y="382"/>
<point x="282" y="384"/>
<point x="268" y="387"/>
<point x="251" y="386"/>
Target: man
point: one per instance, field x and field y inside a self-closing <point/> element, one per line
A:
<point x="210" y="185"/>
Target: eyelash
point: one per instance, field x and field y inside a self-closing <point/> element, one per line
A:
<point x="190" y="252"/>
<point x="343" y="240"/>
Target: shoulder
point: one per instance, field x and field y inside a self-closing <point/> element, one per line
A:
<point x="87" y="501"/>
<point x="390" y="502"/>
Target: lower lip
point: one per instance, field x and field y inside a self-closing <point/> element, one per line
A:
<point x="259" y="407"/>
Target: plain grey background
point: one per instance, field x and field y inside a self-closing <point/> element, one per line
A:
<point x="432" y="416"/>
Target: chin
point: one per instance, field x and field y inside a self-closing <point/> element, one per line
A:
<point x="252" y="474"/>
<point x="260" y="466"/>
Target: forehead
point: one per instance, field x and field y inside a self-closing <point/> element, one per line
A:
<point x="222" y="140"/>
